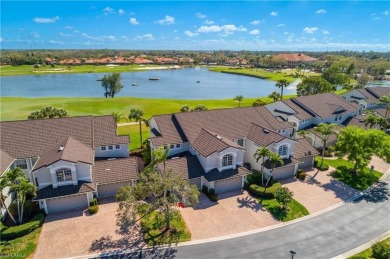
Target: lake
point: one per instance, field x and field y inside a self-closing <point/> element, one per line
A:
<point x="173" y="84"/>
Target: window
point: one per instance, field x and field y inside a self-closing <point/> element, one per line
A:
<point x="283" y="150"/>
<point x="117" y="147"/>
<point x="110" y="147"/>
<point x="340" y="117"/>
<point x="171" y="146"/>
<point x="335" y="118"/>
<point x="36" y="182"/>
<point x="240" y="142"/>
<point x="103" y="148"/>
<point x="227" y="160"/>
<point x="283" y="130"/>
<point x="64" y="175"/>
<point x="22" y="164"/>
<point x="177" y="145"/>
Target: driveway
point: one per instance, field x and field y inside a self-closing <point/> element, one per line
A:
<point x="235" y="212"/>
<point x="74" y="233"/>
<point x="319" y="190"/>
<point x="379" y="164"/>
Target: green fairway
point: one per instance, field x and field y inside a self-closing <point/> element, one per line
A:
<point x="133" y="132"/>
<point x="255" y="72"/>
<point x="18" y="108"/>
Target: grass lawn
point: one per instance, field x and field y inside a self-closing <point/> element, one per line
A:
<point x="153" y="227"/>
<point x="366" y="253"/>
<point x="22" y="247"/>
<point x="133" y="132"/>
<point x="295" y="209"/>
<point x="255" y="72"/>
<point x="360" y="182"/>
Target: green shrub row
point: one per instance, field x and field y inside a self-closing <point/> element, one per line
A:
<point x="322" y="167"/>
<point x="22" y="230"/>
<point x="258" y="191"/>
<point x="210" y="193"/>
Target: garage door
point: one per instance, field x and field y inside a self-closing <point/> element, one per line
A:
<point x="284" y="172"/>
<point x="228" y="185"/>
<point x="196" y="181"/>
<point x="67" y="203"/>
<point x="307" y="162"/>
<point x="108" y="190"/>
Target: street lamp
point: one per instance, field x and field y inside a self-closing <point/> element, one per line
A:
<point x="292" y="252"/>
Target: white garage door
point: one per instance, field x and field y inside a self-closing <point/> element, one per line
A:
<point x="108" y="190"/>
<point x="196" y="181"/>
<point x="67" y="203"/>
<point x="228" y="185"/>
<point x="307" y="162"/>
<point x="284" y="172"/>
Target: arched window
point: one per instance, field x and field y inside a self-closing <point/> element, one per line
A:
<point x="282" y="150"/>
<point x="227" y="160"/>
<point x="64" y="175"/>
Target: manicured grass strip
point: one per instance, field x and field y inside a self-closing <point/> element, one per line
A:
<point x="368" y="252"/>
<point x="22" y="247"/>
<point x="133" y="132"/>
<point x="255" y="72"/>
<point x="295" y="209"/>
<point x="343" y="173"/>
<point x="153" y="227"/>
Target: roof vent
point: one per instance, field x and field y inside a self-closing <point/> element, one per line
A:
<point x="266" y="130"/>
<point x="176" y="157"/>
<point x="111" y="158"/>
<point x="60" y="148"/>
<point x="108" y="169"/>
<point x="219" y="137"/>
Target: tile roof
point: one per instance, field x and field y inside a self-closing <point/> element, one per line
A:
<point x="294" y="57"/>
<point x="357" y="121"/>
<point x="170" y="132"/>
<point x="303" y="149"/>
<point x="271" y="120"/>
<point x="369" y="97"/>
<point x="68" y="150"/>
<point x="215" y="175"/>
<point x="286" y="162"/>
<point x="381" y="112"/>
<point x="301" y="113"/>
<point x="188" y="167"/>
<point x="324" y="105"/>
<point x="5" y="161"/>
<point x="115" y="170"/>
<point x="379" y="91"/>
<point x="262" y="136"/>
<point x="33" y="138"/>
<point x="66" y="190"/>
<point x="332" y="138"/>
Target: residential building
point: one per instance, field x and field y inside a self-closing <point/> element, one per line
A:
<point x="367" y="98"/>
<point x="294" y="59"/>
<point x="69" y="159"/>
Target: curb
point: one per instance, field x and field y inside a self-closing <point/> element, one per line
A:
<point x="202" y="241"/>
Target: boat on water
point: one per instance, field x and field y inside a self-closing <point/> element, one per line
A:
<point x="198" y="81"/>
<point x="134" y="84"/>
<point x="154" y="78"/>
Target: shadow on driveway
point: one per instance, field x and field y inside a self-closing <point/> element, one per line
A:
<point x="378" y="193"/>
<point x="167" y="253"/>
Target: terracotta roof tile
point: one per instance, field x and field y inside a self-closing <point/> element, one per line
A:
<point x="262" y="136"/>
<point x="115" y="170"/>
<point x="5" y="161"/>
<point x="294" y="57"/>
<point x="303" y="149"/>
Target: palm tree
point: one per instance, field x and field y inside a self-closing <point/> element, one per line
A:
<point x="13" y="175"/>
<point x="274" y="160"/>
<point x="3" y="184"/>
<point x="262" y="152"/>
<point x="118" y="116"/>
<point x="282" y="83"/>
<point x="275" y="96"/>
<point x="238" y="98"/>
<point x="325" y="131"/>
<point x="303" y="133"/>
<point x="385" y="100"/>
<point x="382" y="123"/>
<point x="371" y="120"/>
<point x="185" y="108"/>
<point x="138" y="116"/>
<point x="22" y="189"/>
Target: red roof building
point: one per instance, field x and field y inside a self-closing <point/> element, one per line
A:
<point x="294" y="59"/>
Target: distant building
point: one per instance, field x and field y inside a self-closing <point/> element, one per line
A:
<point x="294" y="59"/>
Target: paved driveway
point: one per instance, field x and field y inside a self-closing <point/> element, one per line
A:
<point x="74" y="233"/>
<point x="319" y="190"/>
<point x="235" y="212"/>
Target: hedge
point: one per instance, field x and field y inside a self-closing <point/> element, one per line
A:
<point x="322" y="167"/>
<point x="210" y="193"/>
<point x="93" y="209"/>
<point x="93" y="202"/>
<point x="258" y="191"/>
<point x="24" y="229"/>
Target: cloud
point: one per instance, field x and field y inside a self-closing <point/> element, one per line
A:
<point x="68" y="27"/>
<point x="108" y="10"/>
<point x="121" y="11"/>
<point x="1" y="39"/>
<point x="228" y="28"/>
<point x="200" y="15"/>
<point x="280" y="25"/>
<point x="255" y="22"/>
<point x="34" y="34"/>
<point x="133" y="21"/>
<point x="168" y="20"/>
<point x="46" y="20"/>
<point x="64" y="35"/>
<point x="254" y="32"/>
<point x="274" y="13"/>
<point x="325" y="32"/>
<point x="147" y="36"/>
<point x="321" y="11"/>
<point x="310" y="30"/>
<point x="386" y="12"/>
<point x="55" y="42"/>
<point x="191" y="34"/>
<point x="208" y="22"/>
<point x="109" y="37"/>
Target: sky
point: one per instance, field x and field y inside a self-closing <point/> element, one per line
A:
<point x="202" y="25"/>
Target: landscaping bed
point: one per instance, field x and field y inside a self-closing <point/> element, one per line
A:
<point x="382" y="247"/>
<point x="294" y="209"/>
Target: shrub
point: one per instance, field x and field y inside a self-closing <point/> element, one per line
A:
<point x="299" y="171"/>
<point x="358" y="257"/>
<point x="315" y="163"/>
<point x="93" y="202"/>
<point x="258" y="191"/>
<point x="254" y="177"/>
<point x="381" y="250"/>
<point x="210" y="193"/>
<point x="29" y="211"/>
<point x="302" y="176"/>
<point x="93" y="209"/>
<point x="322" y="167"/>
<point x="24" y="229"/>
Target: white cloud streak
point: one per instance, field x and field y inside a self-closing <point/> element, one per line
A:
<point x="168" y="20"/>
<point x="274" y="13"/>
<point x="254" y="32"/>
<point x="321" y="11"/>
<point x="310" y="30"/>
<point x="133" y="21"/>
<point x="46" y="20"/>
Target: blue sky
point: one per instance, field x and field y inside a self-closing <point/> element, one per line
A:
<point x="204" y="25"/>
